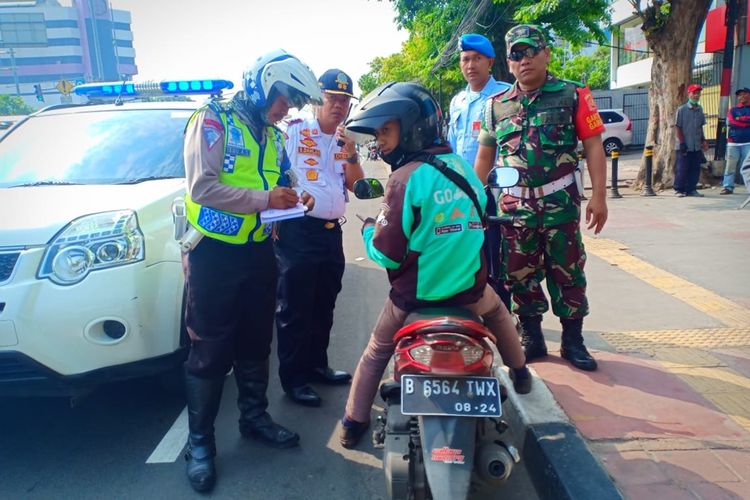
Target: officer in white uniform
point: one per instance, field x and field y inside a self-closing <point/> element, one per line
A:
<point x="466" y="109"/>
<point x="325" y="163"/>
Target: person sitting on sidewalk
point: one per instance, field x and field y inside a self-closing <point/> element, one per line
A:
<point x="738" y="138"/>
<point x="690" y="141"/>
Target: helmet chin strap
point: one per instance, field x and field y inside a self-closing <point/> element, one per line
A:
<point x="395" y="158"/>
<point x="398" y="157"/>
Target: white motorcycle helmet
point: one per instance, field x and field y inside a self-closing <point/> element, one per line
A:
<point x="280" y="72"/>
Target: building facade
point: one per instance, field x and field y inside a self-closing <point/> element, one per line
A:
<point x="47" y="47"/>
<point x="631" y="62"/>
<point x="631" y="58"/>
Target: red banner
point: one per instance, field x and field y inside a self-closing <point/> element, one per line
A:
<point x="716" y="30"/>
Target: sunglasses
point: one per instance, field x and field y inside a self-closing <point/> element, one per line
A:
<point x="518" y="55"/>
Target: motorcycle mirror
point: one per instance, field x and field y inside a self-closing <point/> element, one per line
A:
<point x="368" y="188"/>
<point x="503" y="177"/>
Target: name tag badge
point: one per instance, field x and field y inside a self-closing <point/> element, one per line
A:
<point x="475" y="128"/>
<point x="235" y="137"/>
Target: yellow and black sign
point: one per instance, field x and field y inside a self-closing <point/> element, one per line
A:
<point x="64" y="86"/>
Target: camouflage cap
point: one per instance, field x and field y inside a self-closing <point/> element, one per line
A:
<point x="525" y="33"/>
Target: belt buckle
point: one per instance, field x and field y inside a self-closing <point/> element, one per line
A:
<point x="329" y="225"/>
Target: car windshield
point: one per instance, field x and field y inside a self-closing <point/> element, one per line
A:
<point x="94" y="147"/>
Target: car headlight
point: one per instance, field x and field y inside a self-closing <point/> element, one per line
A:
<point x="93" y="242"/>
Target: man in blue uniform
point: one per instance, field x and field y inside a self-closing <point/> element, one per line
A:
<point x="467" y="107"/>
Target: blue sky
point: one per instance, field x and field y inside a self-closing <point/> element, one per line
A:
<point x="219" y="38"/>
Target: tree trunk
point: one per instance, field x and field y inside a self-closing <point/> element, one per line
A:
<point x="673" y="46"/>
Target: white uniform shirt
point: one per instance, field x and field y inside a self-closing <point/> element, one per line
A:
<point x="318" y="164"/>
<point x="466" y="110"/>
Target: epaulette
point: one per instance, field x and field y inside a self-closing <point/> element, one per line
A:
<point x="215" y="106"/>
<point x="294" y="121"/>
<point x="498" y="94"/>
<point x="577" y="84"/>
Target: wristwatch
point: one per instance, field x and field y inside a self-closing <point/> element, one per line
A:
<point x="354" y="158"/>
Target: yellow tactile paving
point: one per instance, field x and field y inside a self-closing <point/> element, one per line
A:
<point x="716" y="306"/>
<point x="686" y="352"/>
<point x="697" y="338"/>
<point x="735" y="404"/>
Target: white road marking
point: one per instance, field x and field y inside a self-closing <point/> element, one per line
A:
<point x="170" y="447"/>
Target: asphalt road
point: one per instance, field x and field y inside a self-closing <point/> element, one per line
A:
<point x="125" y="440"/>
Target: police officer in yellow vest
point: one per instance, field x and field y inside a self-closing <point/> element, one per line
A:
<point x="234" y="159"/>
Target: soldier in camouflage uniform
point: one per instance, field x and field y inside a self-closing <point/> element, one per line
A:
<point x="534" y="127"/>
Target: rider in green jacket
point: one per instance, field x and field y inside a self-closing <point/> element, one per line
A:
<point x="428" y="236"/>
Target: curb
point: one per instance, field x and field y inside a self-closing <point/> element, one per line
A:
<point x="559" y="462"/>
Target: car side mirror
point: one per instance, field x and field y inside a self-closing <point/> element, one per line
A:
<point x="368" y="188"/>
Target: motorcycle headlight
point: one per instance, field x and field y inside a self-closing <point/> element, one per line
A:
<point x="93" y="242"/>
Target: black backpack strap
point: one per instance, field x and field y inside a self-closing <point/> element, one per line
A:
<point x="454" y="176"/>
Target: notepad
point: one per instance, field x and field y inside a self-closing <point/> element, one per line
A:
<point x="276" y="214"/>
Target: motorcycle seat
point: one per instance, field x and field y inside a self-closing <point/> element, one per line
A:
<point x="427" y="313"/>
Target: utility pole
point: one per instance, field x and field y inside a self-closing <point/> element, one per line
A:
<point x="13" y="68"/>
<point x="726" y="79"/>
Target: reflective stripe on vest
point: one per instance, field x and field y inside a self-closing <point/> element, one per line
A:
<point x="248" y="165"/>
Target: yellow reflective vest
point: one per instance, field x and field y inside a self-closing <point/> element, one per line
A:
<point x="247" y="164"/>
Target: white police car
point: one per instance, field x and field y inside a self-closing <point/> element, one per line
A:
<point x="91" y="283"/>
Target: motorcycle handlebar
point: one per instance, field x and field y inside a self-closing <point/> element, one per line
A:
<point x="504" y="219"/>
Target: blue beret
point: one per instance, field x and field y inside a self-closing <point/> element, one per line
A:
<point x="472" y="41"/>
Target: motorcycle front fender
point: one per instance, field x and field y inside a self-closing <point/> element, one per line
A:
<point x="448" y="446"/>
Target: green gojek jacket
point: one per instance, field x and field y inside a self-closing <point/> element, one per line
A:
<point x="428" y="236"/>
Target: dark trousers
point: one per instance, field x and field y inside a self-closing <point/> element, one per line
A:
<point x="230" y="304"/>
<point x="492" y="249"/>
<point x="687" y="171"/>
<point x="311" y="262"/>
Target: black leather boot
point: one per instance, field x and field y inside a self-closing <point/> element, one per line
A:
<point x="532" y="338"/>
<point x="572" y="347"/>
<point x="203" y="398"/>
<point x="255" y="422"/>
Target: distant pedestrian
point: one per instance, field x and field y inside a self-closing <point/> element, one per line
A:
<point x="690" y="144"/>
<point x="738" y="138"/>
<point x="466" y="109"/>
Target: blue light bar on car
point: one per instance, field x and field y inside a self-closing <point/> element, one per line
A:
<point x="144" y="89"/>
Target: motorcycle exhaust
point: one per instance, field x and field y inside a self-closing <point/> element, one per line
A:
<point x="494" y="461"/>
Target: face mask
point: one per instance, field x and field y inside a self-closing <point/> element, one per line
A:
<point x="693" y="102"/>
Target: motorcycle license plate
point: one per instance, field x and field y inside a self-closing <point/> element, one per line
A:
<point x="450" y="396"/>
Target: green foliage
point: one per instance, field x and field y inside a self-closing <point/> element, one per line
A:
<point x="593" y="69"/>
<point x="575" y="21"/>
<point x="655" y="15"/>
<point x="430" y="55"/>
<point x="14" y="105"/>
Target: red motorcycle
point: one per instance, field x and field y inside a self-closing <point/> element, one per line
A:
<point x="442" y="430"/>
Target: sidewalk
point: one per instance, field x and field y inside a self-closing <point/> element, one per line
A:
<point x="667" y="414"/>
